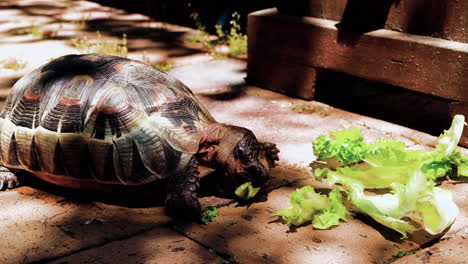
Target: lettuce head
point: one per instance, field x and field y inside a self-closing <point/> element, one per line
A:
<point x="411" y="200"/>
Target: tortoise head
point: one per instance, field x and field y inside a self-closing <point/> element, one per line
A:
<point x="236" y="156"/>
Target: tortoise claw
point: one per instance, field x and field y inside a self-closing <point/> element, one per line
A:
<point x="271" y="152"/>
<point x="8" y="180"/>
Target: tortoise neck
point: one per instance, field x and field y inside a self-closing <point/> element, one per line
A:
<point x="208" y="148"/>
<point x="212" y="133"/>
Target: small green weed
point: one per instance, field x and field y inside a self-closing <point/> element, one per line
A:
<point x="145" y="58"/>
<point x="36" y="31"/>
<point x="219" y="56"/>
<point x="220" y="31"/>
<point x="202" y="37"/>
<point x="13" y="64"/>
<point x="402" y="253"/>
<point x="309" y="109"/>
<point x="197" y="20"/>
<point x="163" y="66"/>
<point x="231" y="260"/>
<point x="209" y="214"/>
<point x="232" y="223"/>
<point x="399" y="254"/>
<point x="68" y="5"/>
<point x="18" y="31"/>
<point x="194" y="38"/>
<point x="82" y="22"/>
<point x="32" y="30"/>
<point x="100" y="45"/>
<point x="236" y="41"/>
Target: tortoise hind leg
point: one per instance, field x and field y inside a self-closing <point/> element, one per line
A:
<point x="182" y="193"/>
<point x="8" y="179"/>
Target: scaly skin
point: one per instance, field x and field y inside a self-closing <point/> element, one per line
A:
<point x="182" y="192"/>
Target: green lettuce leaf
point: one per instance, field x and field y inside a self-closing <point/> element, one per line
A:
<point x="308" y="206"/>
<point x="368" y="177"/>
<point x="461" y="162"/>
<point x="448" y="141"/>
<point x="347" y="145"/>
<point x="413" y="202"/>
<point x="387" y="152"/>
<point x="411" y="206"/>
<point x="246" y="191"/>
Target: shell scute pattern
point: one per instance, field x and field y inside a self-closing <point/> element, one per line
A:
<point x="100" y="118"/>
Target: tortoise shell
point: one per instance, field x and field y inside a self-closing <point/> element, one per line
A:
<point x="97" y="118"/>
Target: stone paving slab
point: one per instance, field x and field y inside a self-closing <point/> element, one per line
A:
<point x="452" y="249"/>
<point x="252" y="236"/>
<point x="38" y="225"/>
<point x="160" y="245"/>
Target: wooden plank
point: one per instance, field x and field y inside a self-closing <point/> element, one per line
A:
<point x="443" y="19"/>
<point x="280" y="75"/>
<point x="424" y="64"/>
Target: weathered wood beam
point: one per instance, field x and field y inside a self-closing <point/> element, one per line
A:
<point x="441" y="19"/>
<point x="424" y="64"/>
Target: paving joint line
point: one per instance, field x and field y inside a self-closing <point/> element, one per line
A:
<point x="50" y="259"/>
<point x="220" y="254"/>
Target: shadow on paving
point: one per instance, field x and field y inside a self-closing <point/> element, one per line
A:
<point x="64" y="222"/>
<point x="46" y="223"/>
<point x="55" y="222"/>
<point x="55" y="228"/>
<point x="140" y="33"/>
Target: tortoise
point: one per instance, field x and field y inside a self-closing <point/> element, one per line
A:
<point x="94" y="121"/>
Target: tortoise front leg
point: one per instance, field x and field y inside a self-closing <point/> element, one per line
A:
<point x="8" y="179"/>
<point x="182" y="192"/>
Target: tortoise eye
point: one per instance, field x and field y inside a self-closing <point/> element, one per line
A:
<point x="242" y="153"/>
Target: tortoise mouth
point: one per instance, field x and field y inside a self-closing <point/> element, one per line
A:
<point x="256" y="181"/>
<point x="224" y="184"/>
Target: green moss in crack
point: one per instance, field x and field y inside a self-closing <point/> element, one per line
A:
<point x="231" y="260"/>
<point x="209" y="214"/>
<point x="101" y="45"/>
<point x="398" y="255"/>
<point x="13" y="64"/>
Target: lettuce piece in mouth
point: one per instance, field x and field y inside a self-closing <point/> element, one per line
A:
<point x="246" y="191"/>
<point x="308" y="206"/>
<point x="413" y="201"/>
